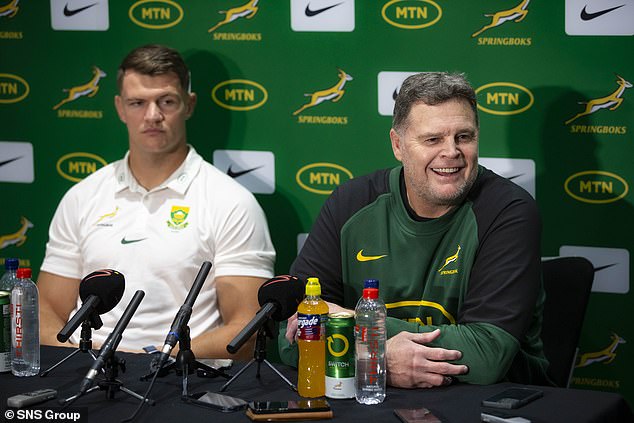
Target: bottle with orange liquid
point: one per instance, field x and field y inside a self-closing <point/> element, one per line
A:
<point x="312" y="315"/>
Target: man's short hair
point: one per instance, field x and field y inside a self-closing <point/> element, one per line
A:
<point x="431" y="88"/>
<point x="153" y="60"/>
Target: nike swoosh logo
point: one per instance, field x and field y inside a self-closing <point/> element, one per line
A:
<point x="235" y="174"/>
<point x="131" y="241"/>
<point x="395" y="94"/>
<point x="72" y="12"/>
<point x="361" y="257"/>
<point x="597" y="269"/>
<point x="510" y="178"/>
<point x="310" y="13"/>
<point x="10" y="161"/>
<point x="589" y="16"/>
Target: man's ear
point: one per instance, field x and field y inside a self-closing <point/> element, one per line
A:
<point x="191" y="104"/>
<point x="118" y="104"/>
<point x="396" y="144"/>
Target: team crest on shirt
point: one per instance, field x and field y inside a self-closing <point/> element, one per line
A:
<point x="448" y="261"/>
<point x="178" y="217"/>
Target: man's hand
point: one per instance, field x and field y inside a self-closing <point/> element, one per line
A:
<point x="291" y="323"/>
<point x="412" y="364"/>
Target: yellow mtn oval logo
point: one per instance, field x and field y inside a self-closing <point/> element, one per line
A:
<point x="76" y="166"/>
<point x="239" y="94"/>
<point x="504" y="98"/>
<point x="322" y="178"/>
<point x="12" y="88"/>
<point x="596" y="187"/>
<point x="411" y="14"/>
<point x="156" y="14"/>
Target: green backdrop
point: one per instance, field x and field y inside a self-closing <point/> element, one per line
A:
<point x="252" y="62"/>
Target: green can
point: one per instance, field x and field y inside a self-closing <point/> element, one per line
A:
<point x="5" y="332"/>
<point x="340" y="355"/>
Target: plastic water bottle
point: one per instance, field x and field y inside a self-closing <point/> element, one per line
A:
<point x="9" y="277"/>
<point x="25" y="326"/>
<point x="370" y="337"/>
<point x="6" y="285"/>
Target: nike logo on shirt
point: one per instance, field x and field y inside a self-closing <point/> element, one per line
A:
<point x="71" y="12"/>
<point x="361" y="257"/>
<point x="310" y="13"/>
<point x="235" y="174"/>
<point x="130" y="241"/>
<point x="589" y="16"/>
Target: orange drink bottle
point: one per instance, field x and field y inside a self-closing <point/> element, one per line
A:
<point x="312" y="315"/>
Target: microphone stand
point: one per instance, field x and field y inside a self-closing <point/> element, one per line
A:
<point x="93" y="321"/>
<point x="259" y="356"/>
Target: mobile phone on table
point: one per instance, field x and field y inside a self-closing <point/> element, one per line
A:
<point x="513" y="398"/>
<point x="286" y="410"/>
<point x="416" y="415"/>
<point x="501" y="416"/>
<point x="220" y="402"/>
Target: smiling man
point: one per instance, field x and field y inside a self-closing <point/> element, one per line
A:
<point x="456" y="249"/>
<point x="156" y="216"/>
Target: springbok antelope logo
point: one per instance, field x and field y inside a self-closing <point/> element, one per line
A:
<point x="246" y="11"/>
<point x="17" y="238"/>
<point x="10" y="9"/>
<point x="605" y="356"/>
<point x="450" y="259"/>
<point x="517" y="14"/>
<point x="611" y="101"/>
<point x="108" y="215"/>
<point x="90" y="88"/>
<point x="333" y="94"/>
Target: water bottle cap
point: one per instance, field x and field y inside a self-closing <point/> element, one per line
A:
<point x="313" y="288"/>
<point x="371" y="283"/>
<point x="11" y="264"/>
<point x="24" y="273"/>
<point x="370" y="293"/>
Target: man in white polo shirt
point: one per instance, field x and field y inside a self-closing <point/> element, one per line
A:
<point x="156" y="216"/>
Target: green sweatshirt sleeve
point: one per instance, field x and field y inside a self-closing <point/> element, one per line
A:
<point x="289" y="354"/>
<point x="486" y="349"/>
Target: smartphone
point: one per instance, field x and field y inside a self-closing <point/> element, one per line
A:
<point x="416" y="415"/>
<point x="219" y="402"/>
<point x="277" y="407"/>
<point x="496" y="416"/>
<point x="513" y="398"/>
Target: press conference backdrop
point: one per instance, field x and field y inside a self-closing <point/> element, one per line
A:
<point x="295" y="97"/>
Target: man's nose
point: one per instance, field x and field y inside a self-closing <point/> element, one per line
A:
<point x="153" y="112"/>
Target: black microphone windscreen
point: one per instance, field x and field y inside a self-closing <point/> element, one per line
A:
<point x="107" y="284"/>
<point x="286" y="292"/>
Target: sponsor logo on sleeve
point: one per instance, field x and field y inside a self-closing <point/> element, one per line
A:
<point x="611" y="267"/>
<point x="156" y="14"/>
<point x="80" y="15"/>
<point x="599" y="17"/>
<point x="519" y="171"/>
<point x="76" y="166"/>
<point x="322" y="15"/>
<point x="255" y="170"/>
<point x="16" y="162"/>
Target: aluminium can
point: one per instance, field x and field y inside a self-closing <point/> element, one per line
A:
<point x="340" y="355"/>
<point x="5" y="332"/>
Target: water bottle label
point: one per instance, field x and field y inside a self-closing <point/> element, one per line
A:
<point x="311" y="327"/>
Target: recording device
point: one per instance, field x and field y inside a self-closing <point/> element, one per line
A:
<point x="416" y="415"/>
<point x="513" y="398"/>
<point x="31" y="398"/>
<point x="184" y="313"/>
<point x="314" y="409"/>
<point x="219" y="402"/>
<point x="278" y="298"/>
<point x="110" y="346"/>
<point x="100" y="292"/>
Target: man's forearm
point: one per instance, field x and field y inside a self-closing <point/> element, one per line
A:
<point x="213" y="344"/>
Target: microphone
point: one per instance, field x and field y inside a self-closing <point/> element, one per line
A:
<point x="278" y="298"/>
<point x="184" y="313"/>
<point x="100" y="292"/>
<point x="110" y="346"/>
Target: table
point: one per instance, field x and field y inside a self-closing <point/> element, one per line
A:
<point x="458" y="403"/>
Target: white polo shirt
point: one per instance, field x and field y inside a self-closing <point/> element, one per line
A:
<point x="158" y="240"/>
